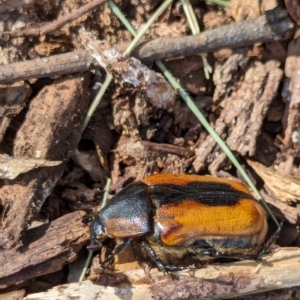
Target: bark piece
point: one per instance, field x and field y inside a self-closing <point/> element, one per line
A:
<point x="290" y="93"/>
<point x="141" y="151"/>
<point x="160" y="156"/>
<point x="51" y="130"/>
<point x="278" y="270"/>
<point x="244" y="111"/>
<point x="53" y="123"/>
<point x="45" y="249"/>
<point x="224" y="73"/>
<point x="22" y="199"/>
<point x="251" y="105"/>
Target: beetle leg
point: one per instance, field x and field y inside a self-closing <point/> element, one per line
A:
<point x="158" y="262"/>
<point x="219" y="254"/>
<point x="87" y="219"/>
<point x="179" y="268"/>
<point x="271" y="240"/>
<point x="118" y="250"/>
<point x="154" y="257"/>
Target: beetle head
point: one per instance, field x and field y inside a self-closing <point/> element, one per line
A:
<point x="97" y="235"/>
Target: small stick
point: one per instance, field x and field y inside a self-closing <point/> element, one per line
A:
<point x="275" y="25"/>
<point x="49" y="27"/>
<point x="72" y="62"/>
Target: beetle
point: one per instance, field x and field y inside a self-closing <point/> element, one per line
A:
<point x="183" y="220"/>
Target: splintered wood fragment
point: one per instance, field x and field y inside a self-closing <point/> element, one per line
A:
<point x="279" y="270"/>
<point x="130" y="71"/>
<point x="12" y="167"/>
<point x="45" y="249"/>
<point x="50" y="131"/>
<point x="275" y="25"/>
<point x="284" y="188"/>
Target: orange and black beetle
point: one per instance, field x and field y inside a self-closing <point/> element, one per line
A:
<point x="185" y="219"/>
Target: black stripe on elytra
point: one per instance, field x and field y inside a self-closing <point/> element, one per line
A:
<point x="209" y="193"/>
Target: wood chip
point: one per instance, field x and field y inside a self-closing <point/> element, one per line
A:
<point x="45" y="249"/>
<point x="279" y="270"/>
<point x="284" y="188"/>
<point x="11" y="167"/>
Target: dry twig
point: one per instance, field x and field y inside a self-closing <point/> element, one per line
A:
<point x="272" y="26"/>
